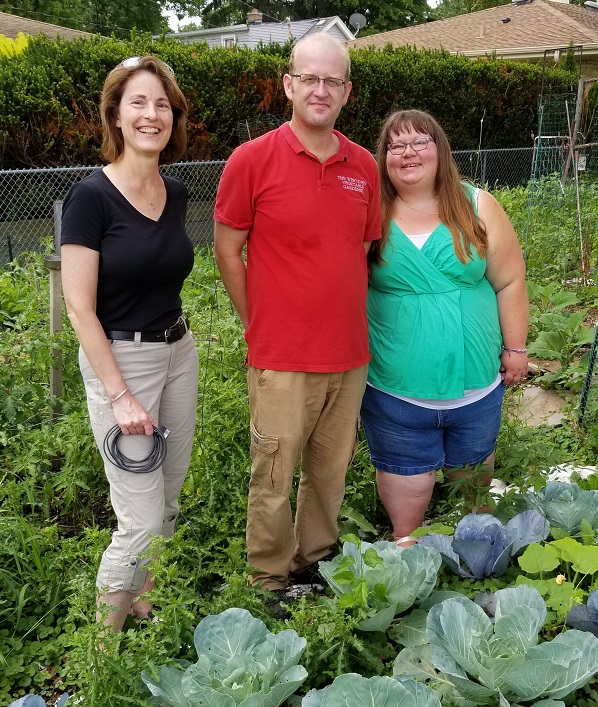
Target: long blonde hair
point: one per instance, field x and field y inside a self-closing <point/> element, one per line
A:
<point x="454" y="208"/>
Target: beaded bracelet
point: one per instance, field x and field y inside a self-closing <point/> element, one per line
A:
<point x="520" y="351"/>
<point x="119" y="396"/>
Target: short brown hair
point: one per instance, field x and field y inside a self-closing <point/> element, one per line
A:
<point x="455" y="209"/>
<point x="114" y="87"/>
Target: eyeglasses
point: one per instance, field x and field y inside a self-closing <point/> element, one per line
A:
<point x="134" y="61"/>
<point x="312" y="80"/>
<point x="419" y="144"/>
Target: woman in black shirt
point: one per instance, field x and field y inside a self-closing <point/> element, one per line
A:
<point x="125" y="256"/>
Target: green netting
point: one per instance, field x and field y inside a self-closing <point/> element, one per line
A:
<point x="560" y="234"/>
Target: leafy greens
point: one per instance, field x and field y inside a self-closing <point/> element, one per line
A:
<point x="565" y="505"/>
<point x="482" y="546"/>
<point x="353" y="689"/>
<point x="485" y="661"/>
<point x="241" y="664"/>
<point x="386" y="579"/>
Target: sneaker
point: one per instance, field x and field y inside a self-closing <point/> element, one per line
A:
<point x="277" y="604"/>
<point x="150" y="618"/>
<point x="309" y="575"/>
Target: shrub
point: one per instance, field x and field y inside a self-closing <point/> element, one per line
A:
<point x="50" y="92"/>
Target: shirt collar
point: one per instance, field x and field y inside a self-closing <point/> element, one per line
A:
<point x="297" y="146"/>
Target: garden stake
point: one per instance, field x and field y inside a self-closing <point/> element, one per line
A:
<point x="52" y="262"/>
<point x="588" y="379"/>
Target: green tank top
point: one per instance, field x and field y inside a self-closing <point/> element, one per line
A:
<point x="433" y="320"/>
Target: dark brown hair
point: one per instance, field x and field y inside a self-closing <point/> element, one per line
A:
<point x="114" y="87"/>
<point x="455" y="209"/>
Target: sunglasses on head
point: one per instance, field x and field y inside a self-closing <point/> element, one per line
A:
<point x="134" y="61"/>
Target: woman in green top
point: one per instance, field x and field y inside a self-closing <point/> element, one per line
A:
<point x="448" y="314"/>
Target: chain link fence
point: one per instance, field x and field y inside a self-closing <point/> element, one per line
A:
<point x="27" y="196"/>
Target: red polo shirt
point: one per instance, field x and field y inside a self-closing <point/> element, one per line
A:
<point x="306" y="266"/>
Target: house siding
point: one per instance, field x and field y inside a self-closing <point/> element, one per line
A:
<point x="263" y="32"/>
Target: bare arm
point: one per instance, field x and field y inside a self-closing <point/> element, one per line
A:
<point x="80" y="282"/>
<point x="228" y="251"/>
<point x="506" y="273"/>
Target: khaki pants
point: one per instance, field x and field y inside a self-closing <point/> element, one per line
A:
<point x="163" y="377"/>
<point x="312" y="417"/>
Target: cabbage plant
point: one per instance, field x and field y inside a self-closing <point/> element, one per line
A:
<point x="37" y="701"/>
<point x="482" y="546"/>
<point x="382" y="578"/>
<point x="585" y="616"/>
<point x="240" y="664"/>
<point x="503" y="661"/>
<point x="565" y="505"/>
<point x="353" y="689"/>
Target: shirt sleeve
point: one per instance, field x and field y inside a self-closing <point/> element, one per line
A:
<point x="235" y="206"/>
<point x="83" y="220"/>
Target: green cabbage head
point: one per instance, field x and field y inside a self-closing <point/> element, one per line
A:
<point x="504" y="661"/>
<point x="354" y="690"/>
<point x="241" y="664"/>
<point x="565" y="505"/>
<point x="393" y="578"/>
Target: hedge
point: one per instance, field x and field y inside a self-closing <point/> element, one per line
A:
<point x="49" y="95"/>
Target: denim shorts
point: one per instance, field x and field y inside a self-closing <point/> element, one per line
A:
<point x="409" y="439"/>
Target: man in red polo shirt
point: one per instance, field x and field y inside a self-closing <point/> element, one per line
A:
<point x="305" y="201"/>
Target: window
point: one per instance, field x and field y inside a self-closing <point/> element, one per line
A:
<point x="228" y="40"/>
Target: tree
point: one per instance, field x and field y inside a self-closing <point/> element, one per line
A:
<point x="105" y="17"/>
<point x="452" y="8"/>
<point x="382" y="15"/>
<point x="189" y="27"/>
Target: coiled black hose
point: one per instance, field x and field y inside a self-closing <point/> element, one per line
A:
<point x="141" y="466"/>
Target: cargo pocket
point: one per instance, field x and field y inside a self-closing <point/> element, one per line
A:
<point x="129" y="576"/>
<point x="267" y="464"/>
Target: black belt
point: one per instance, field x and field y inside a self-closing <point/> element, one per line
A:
<point x="169" y="336"/>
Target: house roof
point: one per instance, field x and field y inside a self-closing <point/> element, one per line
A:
<point x="324" y="24"/>
<point x="270" y="31"/>
<point x="516" y="29"/>
<point x="11" y="25"/>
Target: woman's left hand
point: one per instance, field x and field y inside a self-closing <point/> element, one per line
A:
<point x="513" y="367"/>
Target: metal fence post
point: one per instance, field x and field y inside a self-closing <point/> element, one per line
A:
<point x="52" y="263"/>
<point x="484" y="168"/>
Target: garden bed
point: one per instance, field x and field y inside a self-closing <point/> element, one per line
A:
<point x="55" y="522"/>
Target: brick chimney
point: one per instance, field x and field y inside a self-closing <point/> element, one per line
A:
<point x="254" y="16"/>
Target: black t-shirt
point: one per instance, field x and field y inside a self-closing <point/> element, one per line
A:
<point x="143" y="263"/>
